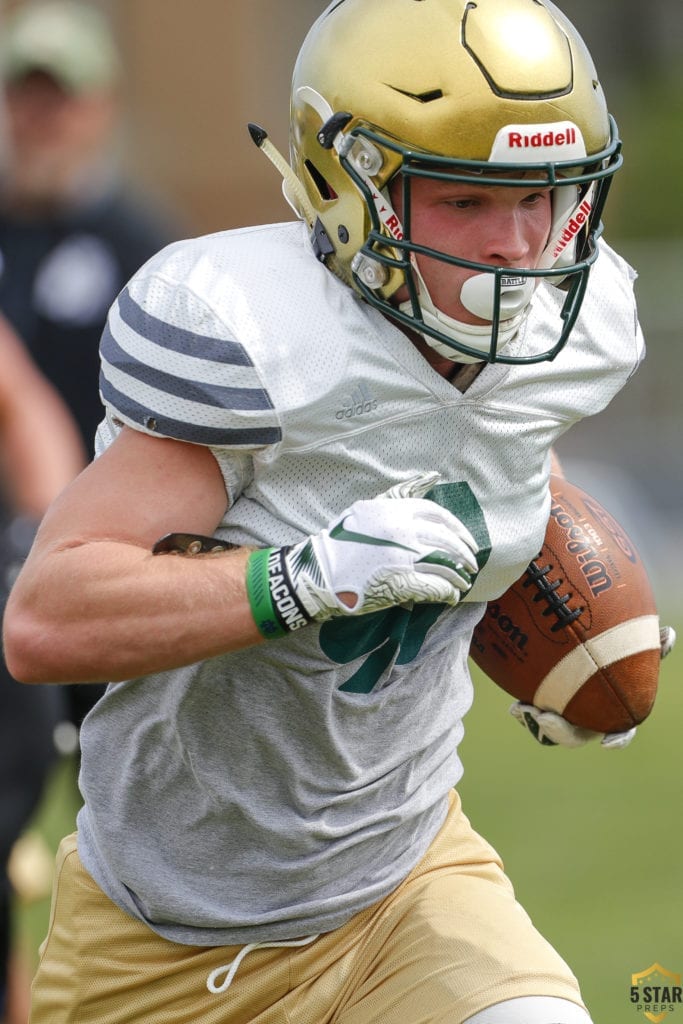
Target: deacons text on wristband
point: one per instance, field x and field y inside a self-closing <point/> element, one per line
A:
<point x="274" y="604"/>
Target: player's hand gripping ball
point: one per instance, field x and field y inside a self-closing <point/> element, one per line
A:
<point x="578" y="634"/>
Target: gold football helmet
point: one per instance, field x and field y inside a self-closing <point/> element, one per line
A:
<point x="502" y="89"/>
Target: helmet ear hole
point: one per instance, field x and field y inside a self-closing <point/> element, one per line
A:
<point x="321" y="183"/>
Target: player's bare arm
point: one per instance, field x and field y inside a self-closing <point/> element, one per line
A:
<point x="92" y="602"/>
<point x="92" y="579"/>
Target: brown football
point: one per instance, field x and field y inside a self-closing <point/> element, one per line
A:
<point x="578" y="633"/>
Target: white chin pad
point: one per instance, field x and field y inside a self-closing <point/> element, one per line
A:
<point x="478" y="295"/>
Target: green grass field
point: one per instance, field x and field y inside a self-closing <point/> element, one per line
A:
<point x="592" y="840"/>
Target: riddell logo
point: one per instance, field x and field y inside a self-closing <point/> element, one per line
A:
<point x="516" y="140"/>
<point x="572" y="229"/>
<point x="389" y="218"/>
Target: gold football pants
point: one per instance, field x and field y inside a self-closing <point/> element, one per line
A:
<point x="448" y="942"/>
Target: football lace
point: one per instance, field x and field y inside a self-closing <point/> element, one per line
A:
<point x="558" y="605"/>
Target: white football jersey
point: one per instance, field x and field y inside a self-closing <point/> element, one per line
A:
<point x="291" y="785"/>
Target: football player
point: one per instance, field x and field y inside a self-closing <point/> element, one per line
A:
<point x="326" y="446"/>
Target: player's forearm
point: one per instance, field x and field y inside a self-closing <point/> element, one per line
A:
<point x="107" y="611"/>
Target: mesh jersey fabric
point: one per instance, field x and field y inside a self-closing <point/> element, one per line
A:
<point x="277" y="791"/>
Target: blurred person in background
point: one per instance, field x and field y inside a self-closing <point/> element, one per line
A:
<point x="71" y="235"/>
<point x="40" y="452"/>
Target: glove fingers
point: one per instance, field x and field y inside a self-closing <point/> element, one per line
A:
<point x="395" y="588"/>
<point x="442" y="547"/>
<point x="562" y="732"/>
<point x="416" y="488"/>
<point x="416" y="526"/>
<point x="527" y="719"/>
<point x="667" y="639"/>
<point x="441" y="563"/>
<point x="437" y="529"/>
<point x="454" y="565"/>
<point x="428" y="513"/>
<point x="617" y="740"/>
<point x="550" y="728"/>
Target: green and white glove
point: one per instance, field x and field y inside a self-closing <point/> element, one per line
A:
<point x="552" y="730"/>
<point x="396" y="548"/>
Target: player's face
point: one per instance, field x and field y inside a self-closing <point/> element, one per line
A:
<point x="497" y="225"/>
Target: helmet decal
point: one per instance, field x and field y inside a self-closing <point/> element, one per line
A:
<point x="529" y="143"/>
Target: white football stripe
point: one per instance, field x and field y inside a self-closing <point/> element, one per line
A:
<point x="567" y="677"/>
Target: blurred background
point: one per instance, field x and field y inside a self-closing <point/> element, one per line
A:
<point x="592" y="839"/>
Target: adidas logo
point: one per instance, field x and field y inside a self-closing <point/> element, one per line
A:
<point x="357" y="403"/>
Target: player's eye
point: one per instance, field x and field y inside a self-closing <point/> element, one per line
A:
<point x="462" y="204"/>
<point x="535" y="198"/>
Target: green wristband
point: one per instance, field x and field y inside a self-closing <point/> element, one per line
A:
<point x="258" y="592"/>
<point x="275" y="604"/>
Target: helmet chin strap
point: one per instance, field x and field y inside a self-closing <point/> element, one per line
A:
<point x="478" y="296"/>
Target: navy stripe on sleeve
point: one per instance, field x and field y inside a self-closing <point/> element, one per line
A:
<point x="177" y="339"/>
<point x="217" y="395"/>
<point x="183" y="431"/>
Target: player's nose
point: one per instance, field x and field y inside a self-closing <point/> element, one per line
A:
<point x="506" y="239"/>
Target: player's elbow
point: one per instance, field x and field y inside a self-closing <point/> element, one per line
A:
<point x="33" y="650"/>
